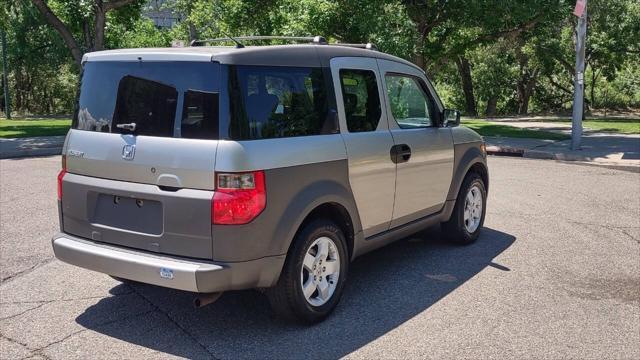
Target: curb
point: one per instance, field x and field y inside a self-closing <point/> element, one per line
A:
<point x="504" y="151"/>
<point x="548" y="155"/>
<point x="31" y="153"/>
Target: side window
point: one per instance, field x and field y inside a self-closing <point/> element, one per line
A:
<point x="410" y="106"/>
<point x="276" y="101"/>
<point x="361" y="99"/>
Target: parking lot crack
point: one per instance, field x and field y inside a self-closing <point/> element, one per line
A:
<point x="39" y="351"/>
<point x="174" y="322"/>
<point x="25" y="311"/>
<point x="25" y="271"/>
<point x="622" y="229"/>
<point x="58" y="300"/>
<point x="3" y="336"/>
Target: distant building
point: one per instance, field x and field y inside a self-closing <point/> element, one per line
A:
<point x="162" y="16"/>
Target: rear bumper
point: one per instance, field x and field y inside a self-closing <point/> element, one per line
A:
<point x="167" y="271"/>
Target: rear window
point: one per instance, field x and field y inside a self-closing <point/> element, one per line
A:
<point x="161" y="98"/>
<point x="275" y="102"/>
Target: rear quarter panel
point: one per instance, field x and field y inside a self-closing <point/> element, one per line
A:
<point x="300" y="173"/>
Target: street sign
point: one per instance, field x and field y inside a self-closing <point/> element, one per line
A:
<point x="580" y="6"/>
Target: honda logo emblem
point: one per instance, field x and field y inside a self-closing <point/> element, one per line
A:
<point x="128" y="152"/>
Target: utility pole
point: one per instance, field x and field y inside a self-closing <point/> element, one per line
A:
<point x="5" y="70"/>
<point x="578" y="95"/>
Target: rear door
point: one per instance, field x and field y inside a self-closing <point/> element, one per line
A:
<point x="140" y="155"/>
<point x="424" y="149"/>
<point x="364" y="128"/>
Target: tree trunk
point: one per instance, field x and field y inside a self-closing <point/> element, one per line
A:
<point x="492" y="104"/>
<point x="594" y="79"/>
<point x="524" y="96"/>
<point x="101" y="10"/>
<point x="98" y="26"/>
<point x="18" y="87"/>
<point x="526" y="87"/>
<point x="419" y="59"/>
<point x="86" y="32"/>
<point x="64" y="32"/>
<point x="464" y="67"/>
<point x="193" y="32"/>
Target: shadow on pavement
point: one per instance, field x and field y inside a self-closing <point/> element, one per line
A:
<point x="385" y="289"/>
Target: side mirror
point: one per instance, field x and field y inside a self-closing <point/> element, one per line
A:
<point x="451" y="118"/>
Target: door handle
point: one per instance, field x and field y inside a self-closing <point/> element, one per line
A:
<point x="400" y="153"/>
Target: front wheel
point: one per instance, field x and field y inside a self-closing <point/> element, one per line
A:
<point x="314" y="274"/>
<point x="468" y="214"/>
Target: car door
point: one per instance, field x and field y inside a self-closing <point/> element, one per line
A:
<point x="423" y="149"/>
<point x="364" y="128"/>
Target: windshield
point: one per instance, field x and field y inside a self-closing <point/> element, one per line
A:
<point x="161" y="98"/>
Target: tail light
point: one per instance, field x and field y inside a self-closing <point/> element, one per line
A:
<point x="61" y="175"/>
<point x="239" y="198"/>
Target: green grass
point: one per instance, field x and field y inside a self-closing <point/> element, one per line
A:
<point x="33" y="127"/>
<point x="488" y="129"/>
<point x="624" y="126"/>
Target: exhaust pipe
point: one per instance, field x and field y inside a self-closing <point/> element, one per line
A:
<point x="205" y="299"/>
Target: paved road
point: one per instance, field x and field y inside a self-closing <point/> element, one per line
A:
<point x="556" y="274"/>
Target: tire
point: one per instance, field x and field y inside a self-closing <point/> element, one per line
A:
<point x="287" y="297"/>
<point x="457" y="229"/>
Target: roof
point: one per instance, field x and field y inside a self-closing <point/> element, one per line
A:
<point x="271" y="55"/>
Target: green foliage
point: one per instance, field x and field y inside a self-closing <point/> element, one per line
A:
<point x="518" y="55"/>
<point x="143" y="34"/>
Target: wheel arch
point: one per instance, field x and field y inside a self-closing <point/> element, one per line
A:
<point x="323" y="199"/>
<point x="336" y="213"/>
<point x="468" y="158"/>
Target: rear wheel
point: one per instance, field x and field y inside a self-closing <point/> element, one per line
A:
<point x="468" y="214"/>
<point x="314" y="274"/>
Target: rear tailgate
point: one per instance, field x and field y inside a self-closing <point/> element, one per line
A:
<point x="148" y="188"/>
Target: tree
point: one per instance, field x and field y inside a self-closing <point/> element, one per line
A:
<point x="91" y="17"/>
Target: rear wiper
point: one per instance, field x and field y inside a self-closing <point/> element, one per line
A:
<point x="131" y="126"/>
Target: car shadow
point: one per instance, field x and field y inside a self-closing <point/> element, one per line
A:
<point x="386" y="288"/>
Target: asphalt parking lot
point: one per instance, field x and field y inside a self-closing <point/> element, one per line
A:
<point x="555" y="274"/>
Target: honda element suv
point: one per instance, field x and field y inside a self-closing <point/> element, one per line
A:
<point x="215" y="168"/>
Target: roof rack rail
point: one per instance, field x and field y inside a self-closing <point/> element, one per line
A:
<point x="239" y="39"/>
<point x="368" y="46"/>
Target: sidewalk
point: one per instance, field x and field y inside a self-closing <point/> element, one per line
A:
<point x="613" y="150"/>
<point x="33" y="146"/>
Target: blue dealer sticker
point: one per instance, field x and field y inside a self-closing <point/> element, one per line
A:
<point x="166" y="273"/>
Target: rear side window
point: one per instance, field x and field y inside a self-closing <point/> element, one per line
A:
<point x="157" y="96"/>
<point x="274" y="102"/>
<point x="361" y="99"/>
